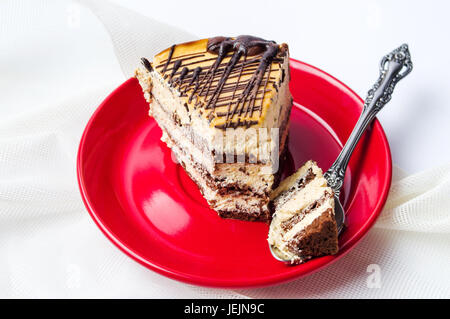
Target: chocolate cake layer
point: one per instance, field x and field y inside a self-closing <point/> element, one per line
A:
<point x="317" y="239"/>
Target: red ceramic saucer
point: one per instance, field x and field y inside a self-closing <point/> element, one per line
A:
<point x="147" y="206"/>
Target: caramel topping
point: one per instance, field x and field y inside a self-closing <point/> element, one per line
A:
<point x="231" y="79"/>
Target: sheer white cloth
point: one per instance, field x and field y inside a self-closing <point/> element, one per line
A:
<point x="50" y="247"/>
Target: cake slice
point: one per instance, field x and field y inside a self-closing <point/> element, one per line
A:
<point x="223" y="106"/>
<point x="303" y="224"/>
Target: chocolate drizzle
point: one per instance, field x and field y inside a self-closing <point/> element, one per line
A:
<point x="147" y="64"/>
<point x="183" y="73"/>
<point x="195" y="78"/>
<point x="176" y="66"/>
<point x="247" y="55"/>
<point x="243" y="45"/>
<point x="172" y="48"/>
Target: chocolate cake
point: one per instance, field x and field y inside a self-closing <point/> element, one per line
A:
<point x="223" y="105"/>
<point x="303" y="224"/>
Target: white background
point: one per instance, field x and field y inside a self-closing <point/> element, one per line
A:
<point x="52" y="52"/>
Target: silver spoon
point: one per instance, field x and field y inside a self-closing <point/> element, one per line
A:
<point x="393" y="67"/>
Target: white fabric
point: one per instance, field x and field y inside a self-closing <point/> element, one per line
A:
<point x="50" y="247"/>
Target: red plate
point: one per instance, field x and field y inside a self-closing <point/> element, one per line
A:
<point x="147" y="205"/>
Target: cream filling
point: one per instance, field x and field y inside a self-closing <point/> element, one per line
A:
<point x="312" y="191"/>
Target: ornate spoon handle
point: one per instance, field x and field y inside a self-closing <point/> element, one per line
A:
<point x="393" y="67"/>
